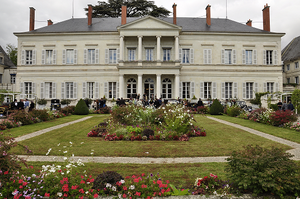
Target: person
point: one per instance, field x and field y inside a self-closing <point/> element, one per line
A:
<point x="138" y="97"/>
<point x="21" y="104"/>
<point x="31" y="107"/>
<point x="14" y="105"/>
<point x="279" y="104"/>
<point x="26" y="105"/>
<point x="140" y="102"/>
<point x="200" y="103"/>
<point x="118" y="102"/>
<point x="284" y="106"/>
<point x="122" y="102"/>
<point x="290" y="106"/>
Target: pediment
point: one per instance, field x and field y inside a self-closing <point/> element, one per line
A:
<point x="149" y="22"/>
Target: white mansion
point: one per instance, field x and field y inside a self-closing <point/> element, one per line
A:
<point x="164" y="57"/>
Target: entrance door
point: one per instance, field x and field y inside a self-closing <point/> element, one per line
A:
<point x="149" y="88"/>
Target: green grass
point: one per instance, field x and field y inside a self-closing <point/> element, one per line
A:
<point x="221" y="140"/>
<point x="285" y="133"/>
<point x="23" y="130"/>
<point x="182" y="175"/>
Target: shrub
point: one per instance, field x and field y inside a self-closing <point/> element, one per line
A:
<point x="110" y="177"/>
<point x="68" y="110"/>
<point x="274" y="107"/>
<point x="148" y="133"/>
<point x="41" y="101"/>
<point x="261" y="171"/>
<point x="41" y="114"/>
<point x="234" y="111"/>
<point x="216" y="108"/>
<point x="202" y="109"/>
<point x="21" y="116"/>
<point x="65" y="101"/>
<point x="81" y="108"/>
<point x="104" y="110"/>
<point x="260" y="115"/>
<point x="281" y="117"/>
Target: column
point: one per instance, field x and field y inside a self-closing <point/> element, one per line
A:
<point x="158" y="49"/>
<point x="140" y="85"/>
<point x="158" y="85"/>
<point x="121" y="86"/>
<point x="140" y="49"/>
<point x="121" y="48"/>
<point x="176" y="48"/>
<point x="177" y="82"/>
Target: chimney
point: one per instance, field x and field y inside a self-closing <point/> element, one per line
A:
<point x="266" y="17"/>
<point x="208" y="19"/>
<point x="31" y="20"/>
<point x="90" y="10"/>
<point x="124" y="15"/>
<point x="50" y="22"/>
<point x="249" y="23"/>
<point x="174" y="14"/>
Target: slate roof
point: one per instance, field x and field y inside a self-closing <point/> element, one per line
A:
<point x="292" y="51"/>
<point x="111" y="25"/>
<point x="7" y="62"/>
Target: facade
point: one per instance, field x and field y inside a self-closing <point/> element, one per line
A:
<point x="7" y="72"/>
<point x="164" y="57"/>
<point x="291" y="71"/>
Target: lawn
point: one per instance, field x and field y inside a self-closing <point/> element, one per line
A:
<point x="285" y="133"/>
<point x="221" y="140"/>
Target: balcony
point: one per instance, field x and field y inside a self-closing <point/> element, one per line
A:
<point x="149" y="64"/>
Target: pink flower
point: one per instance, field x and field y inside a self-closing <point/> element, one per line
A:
<point x="138" y="193"/>
<point x="47" y="194"/>
<point x="124" y="195"/>
<point x="124" y="188"/>
<point x="95" y="195"/>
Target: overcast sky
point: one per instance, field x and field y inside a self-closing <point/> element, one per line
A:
<point x="284" y="14"/>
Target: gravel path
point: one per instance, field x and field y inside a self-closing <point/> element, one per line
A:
<point x="144" y="160"/>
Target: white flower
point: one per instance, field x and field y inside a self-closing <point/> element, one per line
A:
<point x="58" y="144"/>
<point x="92" y="153"/>
<point x="114" y="188"/>
<point x="65" y="158"/>
<point x="65" y="151"/>
<point x="59" y="194"/>
<point x="70" y="142"/>
<point x="81" y="142"/>
<point x="108" y="185"/>
<point x="132" y="187"/>
<point x="122" y="181"/>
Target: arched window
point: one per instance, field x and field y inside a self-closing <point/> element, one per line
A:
<point x="166" y="89"/>
<point x="131" y="88"/>
<point x="149" y="88"/>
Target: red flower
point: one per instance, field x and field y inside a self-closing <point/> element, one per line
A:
<point x="144" y="186"/>
<point x="47" y="194"/>
<point x="27" y="197"/>
<point x="82" y="182"/>
<point x="6" y="172"/>
<point x="31" y="167"/>
<point x="125" y="188"/>
<point x="168" y="190"/>
<point x="167" y="181"/>
<point x="154" y="182"/>
<point x="133" y="176"/>
<point x="124" y="195"/>
<point x="25" y="183"/>
<point x="21" y="187"/>
<point x="92" y="180"/>
<point x="82" y="177"/>
<point x="74" y="186"/>
<point x="138" y="193"/>
<point x="127" y="177"/>
<point x="21" y="181"/>
<point x="136" y="180"/>
<point x="95" y="195"/>
<point x="159" y="182"/>
<point x="81" y="191"/>
<point x="143" y="174"/>
<point x="65" y="195"/>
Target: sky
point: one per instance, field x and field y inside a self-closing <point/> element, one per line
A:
<point x="284" y="14"/>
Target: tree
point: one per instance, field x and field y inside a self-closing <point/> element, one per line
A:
<point x="135" y="8"/>
<point x="12" y="53"/>
<point x="296" y="99"/>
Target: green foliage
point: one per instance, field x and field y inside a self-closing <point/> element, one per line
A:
<point x="130" y="129"/>
<point x="296" y="99"/>
<point x="136" y="8"/>
<point x="41" y="114"/>
<point x="234" y="111"/>
<point x="81" y="108"/>
<point x="148" y="133"/>
<point x="12" y="53"/>
<point x="257" y="99"/>
<point x="216" y="108"/>
<point x="88" y="100"/>
<point x="68" y="110"/>
<point x="65" y="101"/>
<point x="274" y="107"/>
<point x="41" y="101"/>
<point x="110" y="177"/>
<point x="264" y="171"/>
<point x="178" y="192"/>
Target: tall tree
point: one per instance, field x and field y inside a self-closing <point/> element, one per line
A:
<point x="135" y="8"/>
<point x="12" y="53"/>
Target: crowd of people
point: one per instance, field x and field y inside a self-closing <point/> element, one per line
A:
<point x="22" y="105"/>
<point x="285" y="106"/>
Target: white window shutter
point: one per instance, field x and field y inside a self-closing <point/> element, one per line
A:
<point x="255" y="88"/>
<point x="180" y="90"/>
<point x="97" y="90"/>
<point x="205" y="56"/>
<point x="180" y="55"/>
<point x="201" y="90"/>
<point x="265" y="90"/>
<point x="244" y="90"/>
<point x="64" y="57"/>
<point x="106" y="89"/>
<point x="233" y="56"/>
<point x="62" y="90"/>
<point x="275" y="57"/>
<point x="223" y="56"/>
<point x="84" y="90"/>
<point x="74" y="90"/>
<point x="53" y="90"/>
<point x="117" y="93"/>
<point x="42" y="90"/>
<point x="54" y="57"/>
<point x="43" y="56"/>
<point x="33" y="90"/>
<point x="254" y="57"/>
<point x="223" y="90"/>
<point x="265" y="57"/>
<point x="244" y="56"/>
<point x="97" y="56"/>
<point x="192" y="89"/>
<point x="106" y="56"/>
<point x="22" y="90"/>
<point x="75" y="56"/>
<point x="235" y="90"/>
<point x="276" y="87"/>
<point x="209" y="56"/>
<point x="214" y="90"/>
<point x="118" y="54"/>
<point x="33" y="57"/>
<point x="23" y="57"/>
<point x="85" y="56"/>
<point x="192" y="55"/>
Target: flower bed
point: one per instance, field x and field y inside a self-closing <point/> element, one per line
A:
<point x="171" y="122"/>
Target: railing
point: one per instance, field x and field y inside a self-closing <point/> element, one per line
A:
<point x="6" y="86"/>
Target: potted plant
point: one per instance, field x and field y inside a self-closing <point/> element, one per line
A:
<point x="42" y="103"/>
<point x="194" y="100"/>
<point x="65" y="102"/>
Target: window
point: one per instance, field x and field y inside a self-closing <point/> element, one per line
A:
<point x="248" y="56"/>
<point x="207" y="58"/>
<point x="91" y="57"/>
<point x="249" y="90"/>
<point x="49" y="56"/>
<point x="28" y="90"/>
<point x="297" y="80"/>
<point x="90" y="90"/>
<point x="228" y="90"/>
<point x="48" y="90"/>
<point x="149" y="54"/>
<point x="296" y="65"/>
<point x="228" y="56"/>
<point x="112" y="56"/>
<point x="29" y="57"/>
<point x="12" y="78"/>
<point x="112" y="92"/>
<point x="288" y="80"/>
<point x="70" y="56"/>
<point x="69" y="90"/>
<point x="185" y="56"/>
<point x="167" y="89"/>
<point x="1" y="78"/>
<point x="1" y="60"/>
<point x="282" y="68"/>
<point x="269" y="57"/>
<point x="185" y="89"/>
<point x="207" y="90"/>
<point x="166" y="54"/>
<point x="131" y="88"/>
<point x="270" y="87"/>
<point x="131" y="54"/>
<point x="288" y="67"/>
